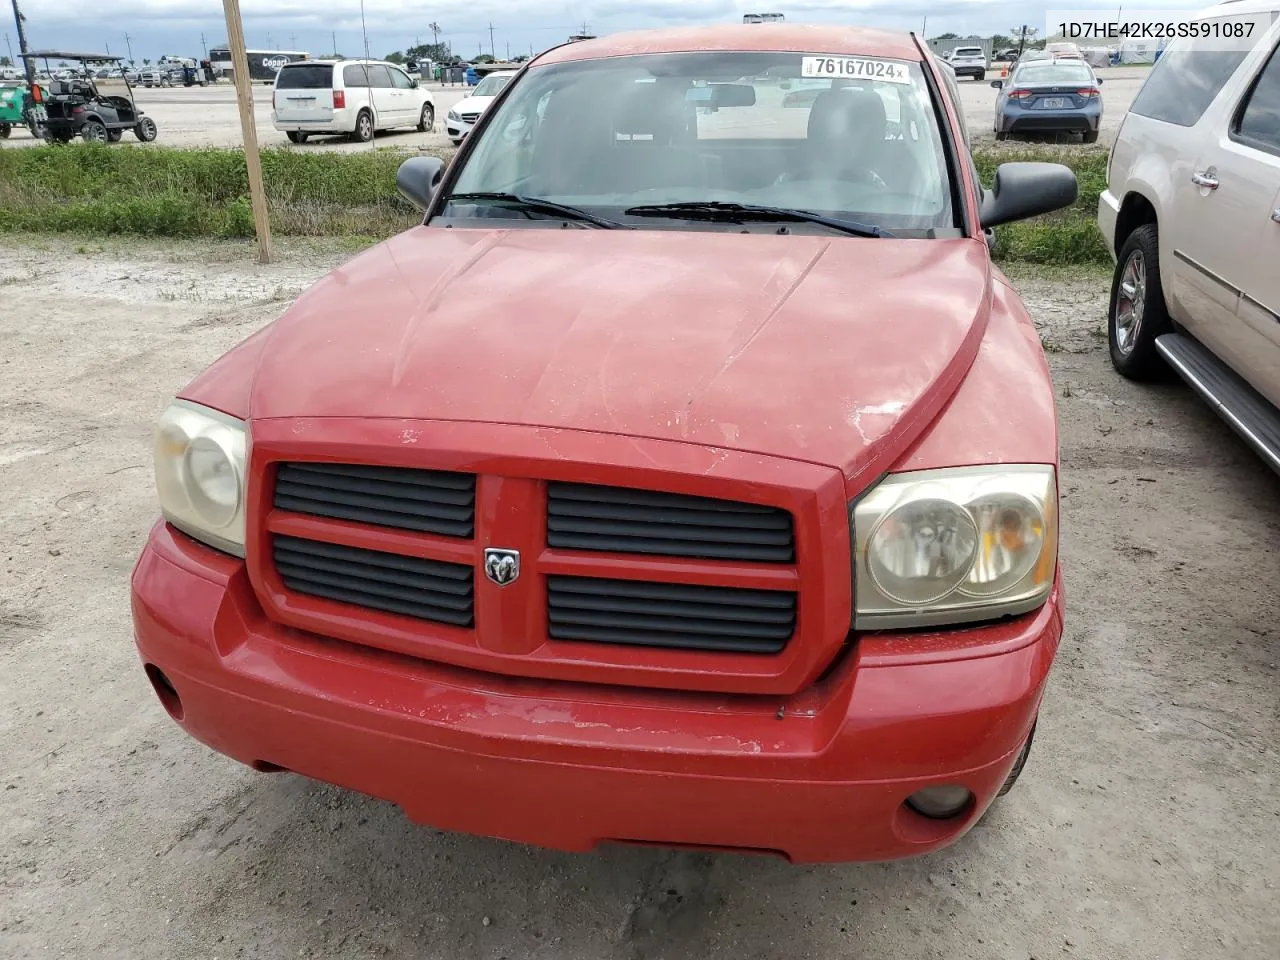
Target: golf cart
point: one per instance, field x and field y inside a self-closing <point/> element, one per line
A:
<point x="13" y="95"/>
<point x="97" y="110"/>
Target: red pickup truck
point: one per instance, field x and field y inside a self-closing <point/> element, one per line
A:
<point x="688" y="477"/>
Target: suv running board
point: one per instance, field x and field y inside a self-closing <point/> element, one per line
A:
<point x="1246" y="411"/>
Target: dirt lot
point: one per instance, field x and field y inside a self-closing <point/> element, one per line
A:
<point x="1146" y="827"/>
<point x="207" y="117"/>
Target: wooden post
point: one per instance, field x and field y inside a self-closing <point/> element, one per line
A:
<point x="244" y="94"/>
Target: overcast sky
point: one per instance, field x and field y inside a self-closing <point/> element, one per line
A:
<point x="155" y="27"/>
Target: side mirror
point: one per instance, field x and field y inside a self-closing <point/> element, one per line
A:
<point x="418" y="177"/>
<point x="998" y="84"/>
<point x="1023" y="190"/>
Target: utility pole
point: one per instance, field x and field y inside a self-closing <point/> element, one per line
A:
<point x="128" y="46"/>
<point x="508" y="51"/>
<point x="27" y="63"/>
<point x="333" y="35"/>
<point x="924" y="28"/>
<point x="293" y="41"/>
<point x="9" y="43"/>
<point x="493" y="53"/>
<point x="204" y="46"/>
<point x="244" y="95"/>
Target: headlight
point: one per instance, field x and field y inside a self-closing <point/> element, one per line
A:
<point x="955" y="545"/>
<point x="200" y="474"/>
<point x="453" y="115"/>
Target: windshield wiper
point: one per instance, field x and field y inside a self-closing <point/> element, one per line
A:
<point x="538" y="205"/>
<point x="741" y="212"/>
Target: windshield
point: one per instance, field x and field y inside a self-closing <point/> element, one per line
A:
<point x="490" y="86"/>
<point x="749" y="128"/>
<point x="1048" y="72"/>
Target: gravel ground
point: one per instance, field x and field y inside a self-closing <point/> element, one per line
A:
<point x="1146" y="826"/>
<point x="207" y="116"/>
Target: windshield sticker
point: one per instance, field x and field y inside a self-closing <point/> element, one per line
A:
<point x="855" y="68"/>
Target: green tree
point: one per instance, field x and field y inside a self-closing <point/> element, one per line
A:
<point x="396" y="57"/>
<point x="520" y="59"/>
<point x="437" y="52"/>
<point x="5" y="62"/>
<point x="146" y="61"/>
<point x="947" y="36"/>
<point x="483" y="58"/>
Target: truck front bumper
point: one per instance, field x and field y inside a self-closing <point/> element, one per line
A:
<point x="821" y="776"/>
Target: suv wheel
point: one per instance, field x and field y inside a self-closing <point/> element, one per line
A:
<point x="364" y="127"/>
<point x="1137" y="314"/>
<point x="427" y="121"/>
<point x="94" y="132"/>
<point x="296" y="136"/>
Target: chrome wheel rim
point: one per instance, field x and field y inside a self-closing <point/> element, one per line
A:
<point x="1131" y="299"/>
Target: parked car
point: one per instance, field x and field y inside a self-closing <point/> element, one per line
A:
<point x="1049" y="96"/>
<point x="351" y="97"/>
<point x="589" y="509"/>
<point x="1192" y="215"/>
<point x="1063" y="51"/>
<point x="968" y="62"/>
<point x="466" y="112"/>
<point x="155" y="78"/>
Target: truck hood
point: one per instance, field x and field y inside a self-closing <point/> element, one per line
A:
<point x="832" y="350"/>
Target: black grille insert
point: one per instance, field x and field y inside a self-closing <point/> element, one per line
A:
<point x="429" y="501"/>
<point x="410" y="586"/>
<point x="621" y="520"/>
<point x="676" y="615"/>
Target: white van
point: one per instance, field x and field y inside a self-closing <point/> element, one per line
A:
<point x="353" y="97"/>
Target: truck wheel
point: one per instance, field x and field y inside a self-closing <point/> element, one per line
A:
<point x="5" y="130"/>
<point x="145" y="130"/>
<point x="93" y="132"/>
<point x="1018" y="764"/>
<point x="1137" y="314"/>
<point x="427" y="121"/>
<point x="364" y="127"/>
<point x="296" y="136"/>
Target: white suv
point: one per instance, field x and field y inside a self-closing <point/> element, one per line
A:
<point x="1192" y="215"/>
<point x="968" y="62"/>
<point x="352" y="97"/>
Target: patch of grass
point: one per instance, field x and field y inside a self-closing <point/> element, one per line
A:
<point x="172" y="193"/>
<point x="1067" y="236"/>
<point x="197" y="193"/>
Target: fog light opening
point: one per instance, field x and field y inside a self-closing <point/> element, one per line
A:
<point x="169" y="698"/>
<point x="941" y="803"/>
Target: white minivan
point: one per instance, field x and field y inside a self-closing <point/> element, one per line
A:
<point x="1192" y="214"/>
<point x="351" y="97"/>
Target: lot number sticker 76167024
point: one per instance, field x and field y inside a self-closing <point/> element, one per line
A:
<point x="855" y="68"/>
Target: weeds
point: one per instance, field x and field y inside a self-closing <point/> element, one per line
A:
<point x="165" y="192"/>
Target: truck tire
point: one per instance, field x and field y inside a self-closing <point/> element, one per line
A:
<point x="1137" y="313"/>
<point x="296" y="136"/>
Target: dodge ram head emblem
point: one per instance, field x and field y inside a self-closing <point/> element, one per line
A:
<point x="501" y="566"/>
